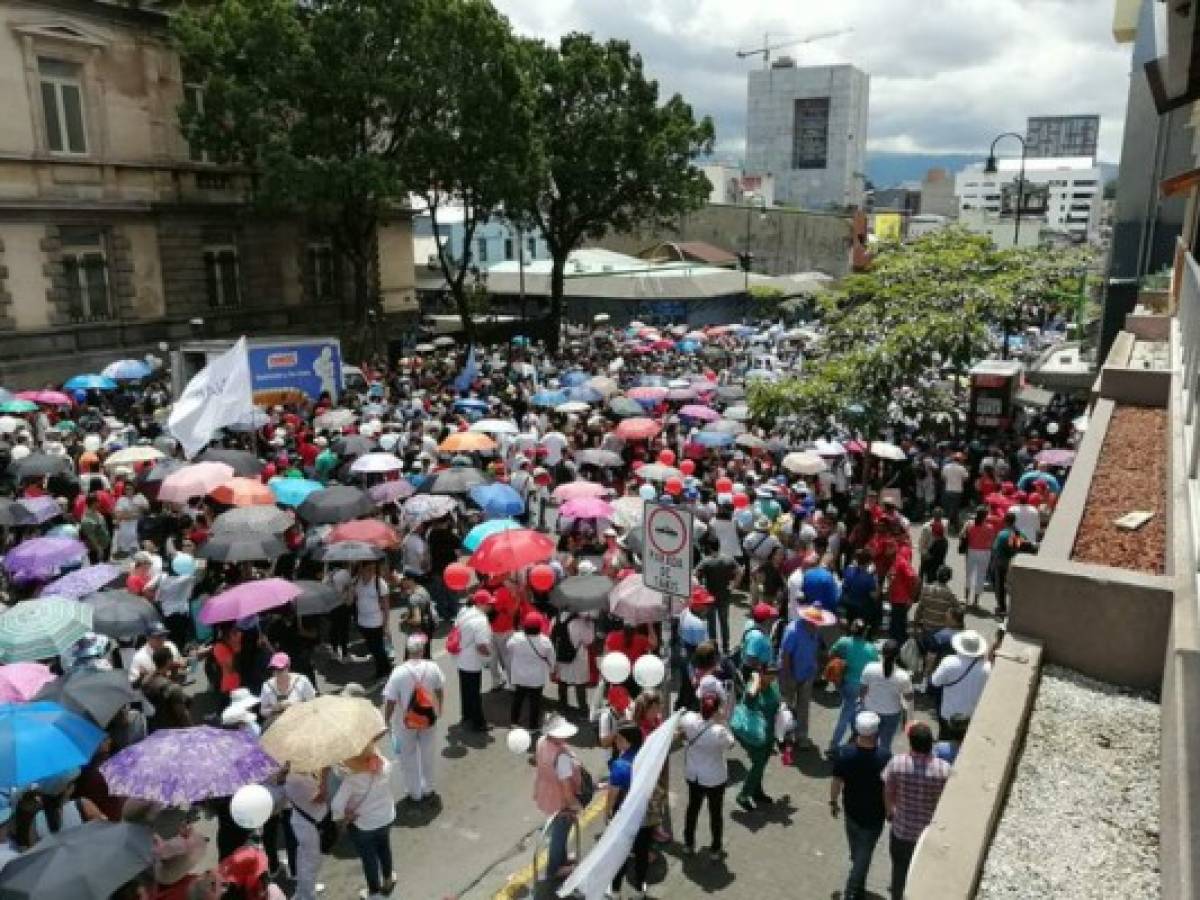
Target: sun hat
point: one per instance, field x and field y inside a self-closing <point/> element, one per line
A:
<point x="762" y="612"/>
<point x="866" y="723"/>
<point x="816" y="615"/>
<point x="969" y="643"/>
<point x="559" y="728"/>
<point x="280" y="661"/>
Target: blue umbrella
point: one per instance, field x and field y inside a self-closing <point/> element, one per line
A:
<point x="575" y="378"/>
<point x="712" y="438"/>
<point x="470" y="403"/>
<point x="497" y="500"/>
<point x="127" y="370"/>
<point x="39" y="741"/>
<point x="1030" y="477"/>
<point x="90" y="383"/>
<point x="293" y="491"/>
<point x="688" y="346"/>
<point x="585" y="394"/>
<point x="549" y="398"/>
<point x="486" y="529"/>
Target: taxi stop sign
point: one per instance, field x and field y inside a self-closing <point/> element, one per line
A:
<point x="667" y="553"/>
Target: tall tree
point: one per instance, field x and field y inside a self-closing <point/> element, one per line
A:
<point x="612" y="156"/>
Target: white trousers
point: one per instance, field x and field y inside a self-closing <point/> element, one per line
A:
<point x="416" y="752"/>
<point x="977" y="570"/>
<point x="308" y="857"/>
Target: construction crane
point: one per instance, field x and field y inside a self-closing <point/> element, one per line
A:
<point x="765" y="50"/>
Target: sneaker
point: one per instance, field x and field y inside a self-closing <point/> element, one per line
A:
<point x="716" y="852"/>
<point x="746" y="803"/>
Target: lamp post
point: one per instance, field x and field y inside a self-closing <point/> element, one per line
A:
<point x="990" y="168"/>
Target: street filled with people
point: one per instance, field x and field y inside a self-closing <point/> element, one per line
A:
<point x="235" y="673"/>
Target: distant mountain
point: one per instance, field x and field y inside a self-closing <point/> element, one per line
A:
<point x="893" y="169"/>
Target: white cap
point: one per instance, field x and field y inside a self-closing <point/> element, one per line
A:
<point x="866" y="724"/>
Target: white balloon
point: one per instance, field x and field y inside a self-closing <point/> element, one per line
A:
<point x="649" y="671"/>
<point x="615" y="667"/>
<point x="519" y="740"/>
<point x="251" y="806"/>
<point x="91" y="443"/>
<point x="1052" y="428"/>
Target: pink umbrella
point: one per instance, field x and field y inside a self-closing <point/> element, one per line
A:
<point x="586" y="508"/>
<point x="663" y="344"/>
<point x="638" y="429"/>
<point x="46" y="398"/>
<point x="648" y="392"/>
<point x="700" y="413"/>
<point x="195" y="480"/>
<point x="248" y="599"/>
<point x="574" y="490"/>
<point x="392" y="491"/>
<point x="20" y="682"/>
<point x="637" y="604"/>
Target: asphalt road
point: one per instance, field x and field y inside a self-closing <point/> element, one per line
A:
<point x="477" y="839"/>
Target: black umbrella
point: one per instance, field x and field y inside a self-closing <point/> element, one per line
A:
<point x="455" y="480"/>
<point x="242" y="546"/>
<point x="347" y="551"/>
<point x="13" y="513"/>
<point x="244" y="463"/>
<point x="253" y="519"/>
<point x="121" y="615"/>
<point x="334" y="504"/>
<point x="39" y="465"/>
<point x="97" y="693"/>
<point x="316" y="598"/>
<point x="354" y="445"/>
<point x="582" y="593"/>
<point x="88" y="862"/>
<point x="624" y="408"/>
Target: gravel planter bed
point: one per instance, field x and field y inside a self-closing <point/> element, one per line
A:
<point x="1130" y="475"/>
<point x="1081" y="820"/>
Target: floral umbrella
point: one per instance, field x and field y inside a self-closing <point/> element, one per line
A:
<point x="43" y="557"/>
<point x="40" y="629"/>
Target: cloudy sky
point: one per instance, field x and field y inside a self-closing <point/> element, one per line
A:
<point x="946" y="75"/>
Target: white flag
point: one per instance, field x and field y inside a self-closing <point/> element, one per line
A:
<point x="219" y="395"/>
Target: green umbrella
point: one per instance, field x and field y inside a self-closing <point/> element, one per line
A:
<point x="18" y="406"/>
<point x="40" y="629"/>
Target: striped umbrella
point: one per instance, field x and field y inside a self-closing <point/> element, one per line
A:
<point x="40" y="629"/>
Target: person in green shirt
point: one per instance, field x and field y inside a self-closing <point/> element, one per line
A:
<point x="326" y="465"/>
<point x="93" y="529"/>
<point x="762" y="696"/>
<point x="855" y="650"/>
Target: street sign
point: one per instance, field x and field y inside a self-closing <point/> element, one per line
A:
<point x="667" y="550"/>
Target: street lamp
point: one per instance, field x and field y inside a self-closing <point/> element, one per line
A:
<point x="990" y="168"/>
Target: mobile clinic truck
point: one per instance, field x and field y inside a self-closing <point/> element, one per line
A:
<point x="282" y="370"/>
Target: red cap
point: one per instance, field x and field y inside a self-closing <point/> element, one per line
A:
<point x="762" y="612"/>
<point x="531" y="620"/>
<point x="701" y="598"/>
<point x="244" y="867"/>
<point x="482" y="598"/>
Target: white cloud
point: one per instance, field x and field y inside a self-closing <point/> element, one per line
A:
<point x="946" y="75"/>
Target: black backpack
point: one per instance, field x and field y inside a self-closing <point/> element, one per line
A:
<point x="560" y="636"/>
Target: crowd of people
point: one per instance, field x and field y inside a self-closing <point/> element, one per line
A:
<point x="494" y="501"/>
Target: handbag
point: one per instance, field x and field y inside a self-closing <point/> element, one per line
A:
<point x="327" y="828"/>
<point x="835" y="670"/>
<point x="749" y="726"/>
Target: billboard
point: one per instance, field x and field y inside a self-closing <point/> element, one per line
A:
<point x="280" y="370"/>
<point x="889" y="226"/>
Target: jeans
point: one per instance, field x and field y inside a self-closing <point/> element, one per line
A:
<point x="377" y="649"/>
<point x="534" y="696"/>
<point x="862" y="840"/>
<point x="697" y="794"/>
<point x="718" y="623"/>
<point x="470" y="690"/>
<point x="901" y="852"/>
<point x="375" y="850"/>
<point x="752" y="786"/>
<point x="556" y="845"/>
<point x="846" y="714"/>
<point x="888" y="726"/>
<point x="308" y="857"/>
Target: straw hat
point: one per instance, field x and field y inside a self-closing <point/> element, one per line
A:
<point x="969" y="643"/>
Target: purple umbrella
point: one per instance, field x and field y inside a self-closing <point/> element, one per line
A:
<point x="43" y="557"/>
<point x="699" y="413"/>
<point x="85" y="581"/>
<point x="177" y="766"/>
<point x="40" y="509"/>
<point x="392" y="491"/>
<point x="1056" y="456"/>
<point x="248" y="599"/>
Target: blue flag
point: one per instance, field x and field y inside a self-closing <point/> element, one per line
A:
<point x="463" y="382"/>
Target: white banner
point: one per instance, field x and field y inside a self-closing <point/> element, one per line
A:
<point x="593" y="876"/>
<point x="219" y="395"/>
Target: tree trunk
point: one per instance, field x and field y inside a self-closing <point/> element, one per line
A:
<point x="557" y="288"/>
<point x="463" y="304"/>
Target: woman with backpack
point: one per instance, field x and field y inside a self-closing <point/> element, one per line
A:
<point x="706" y="745"/>
<point x="572" y="635"/>
<point x="557" y="789"/>
<point x="413" y="698"/>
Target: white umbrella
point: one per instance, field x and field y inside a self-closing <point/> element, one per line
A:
<point x="829" y="448"/>
<point x="334" y="419"/>
<point x="424" y="348"/>
<point x="884" y="450"/>
<point x="658" y="472"/>
<point x="373" y="463"/>
<point x="605" y="385"/>
<point x="443" y="341"/>
<point x="628" y="512"/>
<point x="9" y="424"/>
<point x="573" y="406"/>
<point x="497" y="426"/>
<point x="131" y="455"/>
<point x="804" y="463"/>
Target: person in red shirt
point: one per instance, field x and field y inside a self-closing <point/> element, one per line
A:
<point x="986" y="484"/>
<point x="903" y="587"/>
<point x="978" y="536"/>
<point x="137" y="582"/>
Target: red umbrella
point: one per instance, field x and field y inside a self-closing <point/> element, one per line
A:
<point x="509" y="551"/>
<point x="370" y="531"/>
<point x="638" y="429"/>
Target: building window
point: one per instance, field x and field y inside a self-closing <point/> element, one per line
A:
<point x="321" y="267"/>
<point x="62" y="106"/>
<point x="533" y="248"/>
<point x="481" y="250"/>
<point x="508" y="248"/>
<point x="222" y="281"/>
<point x="810" y="135"/>
<point x="193" y="98"/>
<point x="85" y="268"/>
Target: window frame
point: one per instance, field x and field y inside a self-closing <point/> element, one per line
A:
<point x="218" y="251"/>
<point x="58" y="83"/>
<point x="77" y="259"/>
<point x="322" y="266"/>
<point x="193" y="92"/>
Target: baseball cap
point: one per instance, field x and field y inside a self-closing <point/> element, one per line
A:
<point x="280" y="661"/>
<point x="762" y="612"/>
<point x="866" y="723"/>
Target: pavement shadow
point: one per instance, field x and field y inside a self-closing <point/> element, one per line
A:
<point x="460" y="739"/>
<point x="708" y="873"/>
<point x="812" y="763"/>
<point x="778" y="813"/>
<point x="417" y="814"/>
<point x="827" y="699"/>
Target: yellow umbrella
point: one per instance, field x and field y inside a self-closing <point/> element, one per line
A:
<point x="467" y="442"/>
<point x="323" y="732"/>
<point x="133" y="455"/>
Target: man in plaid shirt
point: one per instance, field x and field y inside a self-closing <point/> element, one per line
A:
<point x="912" y="786"/>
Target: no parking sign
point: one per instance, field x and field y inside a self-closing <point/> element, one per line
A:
<point x="667" y="550"/>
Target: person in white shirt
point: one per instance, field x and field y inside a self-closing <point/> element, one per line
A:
<point x="364" y="800"/>
<point x="414" y="736"/>
<point x="954" y="478"/>
<point x="706" y="744"/>
<point x="475" y="649"/>
<point x="531" y="660"/>
<point x="555" y="443"/>
<point x="371" y="595"/>
<point x="1028" y="520"/>
<point x="962" y="676"/>
<point x="283" y="689"/>
<point x="142" y="666"/>
<point x="306" y="795"/>
<point x="414" y="554"/>
<point x="886" y="689"/>
<point x="581" y="632"/>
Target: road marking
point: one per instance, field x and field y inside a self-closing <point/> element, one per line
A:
<point x="522" y="878"/>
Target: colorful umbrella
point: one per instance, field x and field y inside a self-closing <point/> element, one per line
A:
<point x="20" y="682"/>
<point x="376" y="463"/>
<point x="322" y="732"/>
<point x="369" y="531"/>
<point x="293" y="491"/>
<point x="192" y="481"/>
<point x="699" y="413"/>
<point x="476" y="535"/>
<point x="335" y="504"/>
<point x="467" y="442"/>
<point x="586" y="508"/>
<point x="510" y="551"/>
<point x="90" y="383"/>
<point x="40" y="629"/>
<point x="638" y="429"/>
<point x="427" y="507"/>
<point x="498" y="501"/>
<point x="63" y="866"/>
<point x="18" y="406"/>
<point x="243" y="492"/>
<point x="83" y="581"/>
<point x="573" y="490"/>
<point x="41" y="740"/>
<point x="45" y="398"/>
<point x="39" y="510"/>
<point x="178" y="766"/>
<point x="248" y="599"/>
<point x="127" y="370"/>
<point x="391" y="491"/>
<point x="43" y="557"/>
